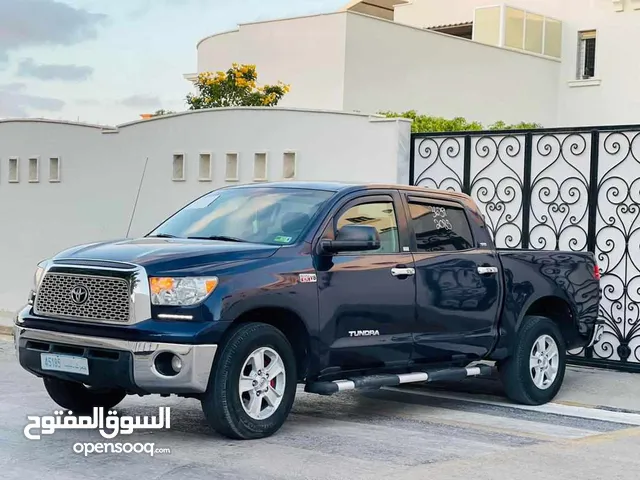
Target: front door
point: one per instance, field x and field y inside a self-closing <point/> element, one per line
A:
<point x="367" y="299"/>
<point x="457" y="303"/>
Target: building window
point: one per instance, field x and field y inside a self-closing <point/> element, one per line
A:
<point x="514" y="28"/>
<point x="587" y="54"/>
<point x="289" y="165"/>
<point x="178" y="167"/>
<point x="54" y="169"/>
<point x="231" y="174"/>
<point x="34" y="169"/>
<point x="534" y="33"/>
<point x="260" y="167"/>
<point x="552" y="37"/>
<point x="518" y="29"/>
<point x="14" y="170"/>
<point x="204" y="167"/>
<point x="486" y="25"/>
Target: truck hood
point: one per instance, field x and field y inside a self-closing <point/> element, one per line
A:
<point x="168" y="254"/>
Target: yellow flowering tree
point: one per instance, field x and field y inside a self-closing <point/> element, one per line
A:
<point x="238" y="86"/>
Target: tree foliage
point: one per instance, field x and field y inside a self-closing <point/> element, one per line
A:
<point x="425" y="123"/>
<point x="238" y="86"/>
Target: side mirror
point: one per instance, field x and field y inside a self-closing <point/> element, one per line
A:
<point x="352" y="238"/>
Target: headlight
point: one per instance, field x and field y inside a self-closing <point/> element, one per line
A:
<point x="181" y="290"/>
<point x="37" y="276"/>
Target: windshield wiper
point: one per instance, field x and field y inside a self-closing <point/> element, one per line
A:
<point x="162" y="235"/>
<point x="223" y="238"/>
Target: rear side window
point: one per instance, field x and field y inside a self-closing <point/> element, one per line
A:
<point x="440" y="228"/>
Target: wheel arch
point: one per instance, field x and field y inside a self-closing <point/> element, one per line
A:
<point x="559" y="311"/>
<point x="289" y="323"/>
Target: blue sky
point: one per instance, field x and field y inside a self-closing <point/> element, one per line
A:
<point x="107" y="62"/>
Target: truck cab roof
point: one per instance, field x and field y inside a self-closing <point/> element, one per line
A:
<point x="346" y="187"/>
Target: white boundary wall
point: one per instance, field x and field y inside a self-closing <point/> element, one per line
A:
<point x="101" y="171"/>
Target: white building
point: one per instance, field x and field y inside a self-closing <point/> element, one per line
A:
<point x="555" y="62"/>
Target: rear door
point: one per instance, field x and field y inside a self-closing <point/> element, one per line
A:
<point x="367" y="299"/>
<point x="457" y="282"/>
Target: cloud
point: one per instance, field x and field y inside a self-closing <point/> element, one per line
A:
<point x="142" y="7"/>
<point x="141" y="101"/>
<point x="27" y="23"/>
<point x="28" y="68"/>
<point x="15" y="103"/>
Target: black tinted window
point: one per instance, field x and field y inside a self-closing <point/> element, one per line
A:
<point x="440" y="228"/>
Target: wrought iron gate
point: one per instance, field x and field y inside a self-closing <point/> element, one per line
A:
<point x="556" y="189"/>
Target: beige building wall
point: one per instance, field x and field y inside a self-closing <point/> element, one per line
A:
<point x="370" y="64"/>
<point x="395" y="67"/>
<point x="307" y="53"/>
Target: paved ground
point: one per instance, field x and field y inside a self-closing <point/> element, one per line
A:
<point x="6" y="322"/>
<point x="413" y="433"/>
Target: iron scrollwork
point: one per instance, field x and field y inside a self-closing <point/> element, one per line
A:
<point x="618" y="247"/>
<point x="442" y="159"/>
<point x="498" y="187"/>
<point x="560" y="193"/>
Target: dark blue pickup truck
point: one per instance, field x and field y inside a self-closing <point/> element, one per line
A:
<point x="251" y="290"/>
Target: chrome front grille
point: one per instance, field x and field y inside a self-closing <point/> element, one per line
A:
<point x="84" y="297"/>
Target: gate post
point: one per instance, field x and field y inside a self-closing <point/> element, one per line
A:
<point x="466" y="169"/>
<point x="526" y="188"/>
<point x="412" y="160"/>
<point x="593" y="191"/>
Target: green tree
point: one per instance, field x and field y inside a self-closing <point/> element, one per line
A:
<point x="238" y="86"/>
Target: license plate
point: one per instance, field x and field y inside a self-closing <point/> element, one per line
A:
<point x="64" y="363"/>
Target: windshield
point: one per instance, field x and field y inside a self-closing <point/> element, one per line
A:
<point x="275" y="216"/>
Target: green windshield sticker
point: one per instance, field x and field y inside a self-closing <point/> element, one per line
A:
<point x="282" y="239"/>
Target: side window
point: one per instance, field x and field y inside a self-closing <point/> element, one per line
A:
<point x="440" y="228"/>
<point x="380" y="215"/>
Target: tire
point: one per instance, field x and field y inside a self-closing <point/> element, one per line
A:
<point x="79" y="398"/>
<point x="516" y="372"/>
<point x="228" y="411"/>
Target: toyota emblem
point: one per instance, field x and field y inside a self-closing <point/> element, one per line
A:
<point x="79" y="294"/>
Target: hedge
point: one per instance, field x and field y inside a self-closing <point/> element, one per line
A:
<point x="425" y="123"/>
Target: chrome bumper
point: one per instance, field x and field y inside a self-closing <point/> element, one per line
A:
<point x="598" y="331"/>
<point x="197" y="360"/>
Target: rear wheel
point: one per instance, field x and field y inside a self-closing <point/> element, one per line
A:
<point x="533" y="375"/>
<point x="80" y="398"/>
<point x="253" y="383"/>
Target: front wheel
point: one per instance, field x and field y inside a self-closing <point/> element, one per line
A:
<point x="535" y="371"/>
<point x="253" y="383"/>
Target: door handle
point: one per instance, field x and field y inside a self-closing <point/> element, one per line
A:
<point x="400" y="272"/>
<point x="487" y="270"/>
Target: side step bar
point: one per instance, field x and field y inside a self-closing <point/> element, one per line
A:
<point x="393" y="380"/>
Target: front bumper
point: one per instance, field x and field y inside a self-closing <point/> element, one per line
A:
<point x="118" y="363"/>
